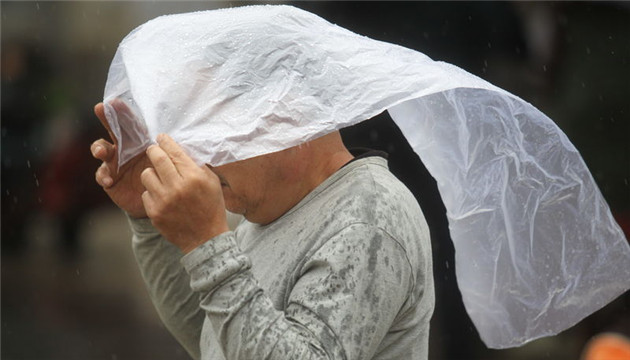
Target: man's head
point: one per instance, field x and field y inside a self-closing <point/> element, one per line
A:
<point x="265" y="187"/>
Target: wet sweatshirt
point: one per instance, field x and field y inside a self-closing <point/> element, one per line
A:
<point x="345" y="274"/>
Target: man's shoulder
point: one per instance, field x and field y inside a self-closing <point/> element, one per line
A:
<point x="367" y="192"/>
<point x="369" y="183"/>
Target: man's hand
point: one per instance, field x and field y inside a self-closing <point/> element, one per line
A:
<point x="123" y="186"/>
<point x="183" y="200"/>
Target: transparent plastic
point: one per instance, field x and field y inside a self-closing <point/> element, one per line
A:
<point x="537" y="248"/>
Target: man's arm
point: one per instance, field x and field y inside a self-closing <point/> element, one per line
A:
<point x="167" y="282"/>
<point x="344" y="302"/>
<point x="158" y="259"/>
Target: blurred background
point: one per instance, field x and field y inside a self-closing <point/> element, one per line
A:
<point x="70" y="287"/>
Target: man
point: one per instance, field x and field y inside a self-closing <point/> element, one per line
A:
<point x="333" y="260"/>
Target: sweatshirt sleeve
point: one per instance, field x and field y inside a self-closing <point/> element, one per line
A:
<point x="167" y="282"/>
<point x="346" y="296"/>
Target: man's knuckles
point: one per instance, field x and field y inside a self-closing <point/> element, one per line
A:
<point x="157" y="208"/>
<point x="103" y="176"/>
<point x="197" y="178"/>
<point x="146" y="176"/>
<point x="102" y="150"/>
<point x="157" y="156"/>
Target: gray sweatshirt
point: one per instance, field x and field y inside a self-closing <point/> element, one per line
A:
<point x="345" y="274"/>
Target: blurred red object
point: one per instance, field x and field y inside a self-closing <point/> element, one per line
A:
<point x="607" y="346"/>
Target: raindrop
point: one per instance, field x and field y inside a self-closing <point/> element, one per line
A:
<point x="447" y="264"/>
<point x="588" y="50"/>
<point x="37" y="5"/>
<point x="28" y="163"/>
<point x="36" y="181"/>
<point x="545" y="68"/>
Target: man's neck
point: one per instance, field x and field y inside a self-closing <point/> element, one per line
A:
<point x="305" y="174"/>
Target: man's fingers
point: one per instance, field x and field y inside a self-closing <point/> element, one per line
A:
<point x="151" y="181"/>
<point x="164" y="166"/>
<point x="148" y="203"/>
<point x="103" y="176"/>
<point x="102" y="150"/>
<point x="180" y="159"/>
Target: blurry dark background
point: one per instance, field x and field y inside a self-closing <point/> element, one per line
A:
<point x="70" y="288"/>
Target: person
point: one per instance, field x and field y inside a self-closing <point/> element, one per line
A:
<point x="331" y="261"/>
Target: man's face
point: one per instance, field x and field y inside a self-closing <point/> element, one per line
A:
<point x="249" y="186"/>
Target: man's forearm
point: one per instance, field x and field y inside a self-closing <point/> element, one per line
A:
<point x="167" y="282"/>
<point x="341" y="307"/>
<point x="244" y="320"/>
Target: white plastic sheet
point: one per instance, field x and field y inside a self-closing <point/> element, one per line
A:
<point x="537" y="248"/>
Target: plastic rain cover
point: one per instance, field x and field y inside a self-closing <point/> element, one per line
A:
<point x="537" y="249"/>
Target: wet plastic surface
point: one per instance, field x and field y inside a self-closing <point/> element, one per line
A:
<point x="537" y="248"/>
